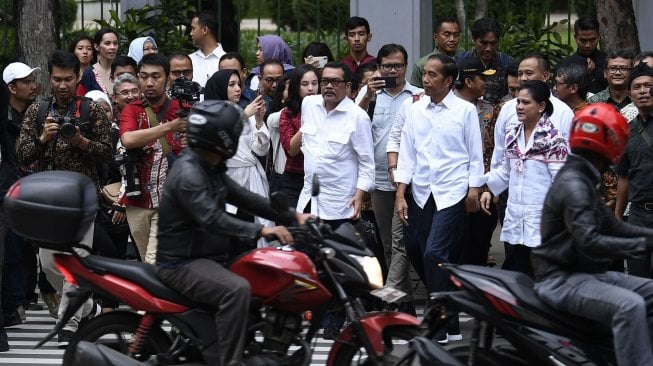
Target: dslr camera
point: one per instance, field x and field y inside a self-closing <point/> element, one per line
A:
<point x="66" y="126"/>
<point x="128" y="160"/>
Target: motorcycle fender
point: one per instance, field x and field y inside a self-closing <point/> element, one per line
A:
<point x="77" y="298"/>
<point x="373" y="325"/>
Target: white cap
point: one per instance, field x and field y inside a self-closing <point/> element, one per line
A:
<point x="17" y="70"/>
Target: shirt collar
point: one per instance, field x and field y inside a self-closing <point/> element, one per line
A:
<point x="447" y="102"/>
<point x="216" y="51"/>
<point x="407" y="87"/>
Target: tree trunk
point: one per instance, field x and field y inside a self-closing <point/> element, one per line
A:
<point x="618" y="29"/>
<point x="481" y="9"/>
<point x="462" y="16"/>
<point x="37" y="35"/>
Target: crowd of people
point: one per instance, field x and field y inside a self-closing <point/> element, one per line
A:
<point x="437" y="160"/>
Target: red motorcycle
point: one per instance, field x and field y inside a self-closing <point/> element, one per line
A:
<point x="286" y="281"/>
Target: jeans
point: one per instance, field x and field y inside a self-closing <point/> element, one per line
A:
<point x="612" y="298"/>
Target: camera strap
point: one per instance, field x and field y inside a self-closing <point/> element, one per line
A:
<point x="154" y="121"/>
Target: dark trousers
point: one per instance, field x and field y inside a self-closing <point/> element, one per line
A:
<point x="291" y="184"/>
<point x="477" y="230"/>
<point x="431" y="236"/>
<point x="207" y="282"/>
<point x="518" y="259"/>
<point x="14" y="269"/>
<point x="640" y="266"/>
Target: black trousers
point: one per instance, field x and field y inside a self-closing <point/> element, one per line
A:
<point x="207" y="282"/>
<point x="640" y="266"/>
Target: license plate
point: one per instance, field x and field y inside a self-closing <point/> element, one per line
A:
<point x="388" y="294"/>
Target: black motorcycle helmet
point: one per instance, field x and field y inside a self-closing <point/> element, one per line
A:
<point x="216" y="125"/>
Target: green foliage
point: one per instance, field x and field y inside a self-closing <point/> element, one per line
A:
<point x="165" y="22"/>
<point x="68" y="15"/>
<point x="530" y="34"/>
<point x="286" y="14"/>
<point x="248" y="44"/>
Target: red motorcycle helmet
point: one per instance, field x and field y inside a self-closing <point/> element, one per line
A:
<point x="600" y="128"/>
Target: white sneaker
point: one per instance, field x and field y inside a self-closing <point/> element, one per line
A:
<point x="454" y="337"/>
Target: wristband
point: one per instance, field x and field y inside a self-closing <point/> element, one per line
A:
<point x="392" y="167"/>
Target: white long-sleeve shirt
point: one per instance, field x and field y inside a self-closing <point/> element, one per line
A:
<point x="440" y="151"/>
<point x="338" y="147"/>
<point x="204" y="66"/>
<point x="561" y="118"/>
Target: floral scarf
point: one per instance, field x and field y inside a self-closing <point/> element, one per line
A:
<point x="548" y="145"/>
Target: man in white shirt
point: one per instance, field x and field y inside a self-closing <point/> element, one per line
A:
<point x="337" y="146"/>
<point x="440" y="156"/>
<point x="203" y="33"/>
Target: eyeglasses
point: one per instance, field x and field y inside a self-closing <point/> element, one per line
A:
<point x="389" y="67"/>
<point x="126" y="93"/>
<point x="558" y="83"/>
<point x="271" y="80"/>
<point x="335" y="82"/>
<point x="178" y="73"/>
<point x="616" y="69"/>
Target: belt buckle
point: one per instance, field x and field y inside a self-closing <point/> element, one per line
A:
<point x="648" y="206"/>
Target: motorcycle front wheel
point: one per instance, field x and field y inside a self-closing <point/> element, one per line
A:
<point x="116" y="330"/>
<point x="395" y="346"/>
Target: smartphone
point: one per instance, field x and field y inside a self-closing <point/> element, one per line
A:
<point x="390" y="81"/>
<point x="322" y="60"/>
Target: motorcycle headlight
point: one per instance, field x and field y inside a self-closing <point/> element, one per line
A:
<point x="372" y="269"/>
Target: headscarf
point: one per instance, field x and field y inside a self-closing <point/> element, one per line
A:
<point x="136" y="47"/>
<point x="216" y="86"/>
<point x="274" y="48"/>
<point x="97" y="96"/>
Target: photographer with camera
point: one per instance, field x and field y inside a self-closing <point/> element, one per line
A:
<point x="65" y="133"/>
<point x="153" y="135"/>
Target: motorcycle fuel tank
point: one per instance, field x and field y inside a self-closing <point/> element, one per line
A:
<point x="283" y="278"/>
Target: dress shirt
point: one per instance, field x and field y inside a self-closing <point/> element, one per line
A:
<point x="385" y="111"/>
<point x="561" y="118"/>
<point x="205" y="65"/>
<point x="338" y="147"/>
<point x="394" y="138"/>
<point x="440" y="151"/>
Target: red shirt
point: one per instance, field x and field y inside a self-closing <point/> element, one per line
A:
<point x="288" y="127"/>
<point x="153" y="164"/>
<point x="353" y="66"/>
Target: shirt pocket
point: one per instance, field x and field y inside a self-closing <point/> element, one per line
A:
<point x="336" y="142"/>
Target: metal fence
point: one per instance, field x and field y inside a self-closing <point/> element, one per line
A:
<point x="87" y="11"/>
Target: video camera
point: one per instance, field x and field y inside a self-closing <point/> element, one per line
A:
<point x="187" y="92"/>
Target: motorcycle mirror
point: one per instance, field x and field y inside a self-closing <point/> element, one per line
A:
<point x="279" y="202"/>
<point x="315" y="186"/>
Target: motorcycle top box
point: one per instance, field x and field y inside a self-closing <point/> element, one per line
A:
<point x="53" y="208"/>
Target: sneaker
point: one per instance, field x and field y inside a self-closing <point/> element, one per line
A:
<point x="52" y="300"/>
<point x="21" y="312"/>
<point x="12" y="319"/>
<point x="4" y="343"/>
<point x="64" y="337"/>
<point x="454" y="337"/>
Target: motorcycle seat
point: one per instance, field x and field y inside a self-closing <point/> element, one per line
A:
<point x="143" y="274"/>
<point x="522" y="286"/>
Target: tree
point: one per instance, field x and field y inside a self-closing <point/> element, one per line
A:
<point x="618" y="28"/>
<point x="37" y="35"/>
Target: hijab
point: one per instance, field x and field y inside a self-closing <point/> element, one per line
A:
<point x="136" y="47"/>
<point x="274" y="48"/>
<point x="216" y="86"/>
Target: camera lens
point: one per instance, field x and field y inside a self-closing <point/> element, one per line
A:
<point x="67" y="130"/>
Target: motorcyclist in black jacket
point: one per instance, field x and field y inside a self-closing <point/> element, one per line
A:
<point x="581" y="237"/>
<point x="194" y="230"/>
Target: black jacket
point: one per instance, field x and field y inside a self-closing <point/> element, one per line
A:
<point x="193" y="222"/>
<point x="579" y="232"/>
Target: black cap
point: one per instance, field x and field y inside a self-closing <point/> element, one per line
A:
<point x="472" y="66"/>
<point x="642" y="69"/>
